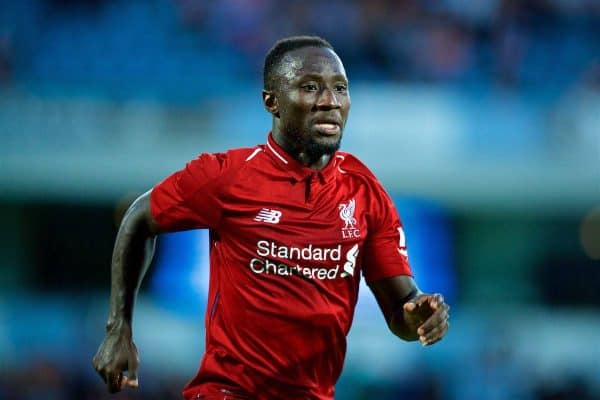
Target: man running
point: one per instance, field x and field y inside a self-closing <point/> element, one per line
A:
<point x="294" y="223"/>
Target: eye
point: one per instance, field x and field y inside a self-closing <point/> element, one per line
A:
<point x="310" y="87"/>
<point x="341" y="88"/>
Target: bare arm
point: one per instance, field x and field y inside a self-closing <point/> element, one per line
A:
<point x="410" y="314"/>
<point x="132" y="254"/>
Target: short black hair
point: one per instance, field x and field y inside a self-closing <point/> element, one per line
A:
<point x="281" y="47"/>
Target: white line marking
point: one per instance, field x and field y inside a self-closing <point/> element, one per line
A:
<point x="276" y="153"/>
<point x="251" y="156"/>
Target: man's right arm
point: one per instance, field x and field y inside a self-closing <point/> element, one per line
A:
<point x="132" y="254"/>
<point x="187" y="199"/>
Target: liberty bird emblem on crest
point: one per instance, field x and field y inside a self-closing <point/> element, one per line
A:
<point x="347" y="215"/>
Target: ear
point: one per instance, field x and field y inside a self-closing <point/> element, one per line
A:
<point x="270" y="102"/>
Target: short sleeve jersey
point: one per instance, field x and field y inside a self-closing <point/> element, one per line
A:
<point x="288" y="246"/>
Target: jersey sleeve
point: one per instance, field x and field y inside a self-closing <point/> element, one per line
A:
<point x="190" y="198"/>
<point x="385" y="253"/>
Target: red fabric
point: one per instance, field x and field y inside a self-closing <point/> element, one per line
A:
<point x="288" y="245"/>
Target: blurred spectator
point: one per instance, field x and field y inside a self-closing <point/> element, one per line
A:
<point x="513" y="43"/>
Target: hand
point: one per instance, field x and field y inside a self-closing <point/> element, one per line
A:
<point x="428" y="315"/>
<point x="117" y="354"/>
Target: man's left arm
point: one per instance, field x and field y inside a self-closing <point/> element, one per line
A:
<point x="410" y="314"/>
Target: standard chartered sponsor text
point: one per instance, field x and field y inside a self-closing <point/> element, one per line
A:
<point x="268" y="250"/>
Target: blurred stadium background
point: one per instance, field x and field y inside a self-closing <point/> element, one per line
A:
<point x="482" y="118"/>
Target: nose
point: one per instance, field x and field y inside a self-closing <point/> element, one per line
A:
<point x="328" y="100"/>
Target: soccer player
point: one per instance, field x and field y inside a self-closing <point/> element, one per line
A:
<point x="294" y="223"/>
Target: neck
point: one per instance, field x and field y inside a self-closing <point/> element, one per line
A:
<point x="312" y="161"/>
<point x="315" y="164"/>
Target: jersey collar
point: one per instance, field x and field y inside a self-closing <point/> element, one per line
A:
<point x="296" y="169"/>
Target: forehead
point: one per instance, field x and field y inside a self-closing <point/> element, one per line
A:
<point x="311" y="61"/>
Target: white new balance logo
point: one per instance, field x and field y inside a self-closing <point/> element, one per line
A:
<point x="269" y="216"/>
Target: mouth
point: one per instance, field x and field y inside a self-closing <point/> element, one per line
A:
<point x="328" y="127"/>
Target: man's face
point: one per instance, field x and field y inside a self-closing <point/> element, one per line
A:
<point x="313" y="100"/>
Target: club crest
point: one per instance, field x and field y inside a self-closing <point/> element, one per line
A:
<point x="349" y="229"/>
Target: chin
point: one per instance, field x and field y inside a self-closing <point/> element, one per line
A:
<point x="320" y="147"/>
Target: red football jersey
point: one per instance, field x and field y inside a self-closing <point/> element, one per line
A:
<point x="287" y="247"/>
